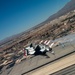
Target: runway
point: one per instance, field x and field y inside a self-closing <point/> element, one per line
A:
<point x="56" y="66"/>
<point x="67" y="71"/>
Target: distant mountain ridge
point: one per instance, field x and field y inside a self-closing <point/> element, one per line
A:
<point x="67" y="8"/>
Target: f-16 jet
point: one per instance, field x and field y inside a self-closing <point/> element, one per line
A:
<point x="39" y="49"/>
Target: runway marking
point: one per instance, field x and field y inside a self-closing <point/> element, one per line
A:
<point x="56" y="66"/>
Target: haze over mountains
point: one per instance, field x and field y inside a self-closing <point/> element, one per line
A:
<point x="67" y="8"/>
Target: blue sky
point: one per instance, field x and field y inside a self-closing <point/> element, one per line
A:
<point x="19" y="15"/>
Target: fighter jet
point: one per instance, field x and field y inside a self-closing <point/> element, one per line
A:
<point x="39" y="49"/>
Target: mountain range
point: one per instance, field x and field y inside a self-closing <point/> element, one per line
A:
<point x="67" y="8"/>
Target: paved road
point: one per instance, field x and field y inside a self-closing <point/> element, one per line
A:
<point x="67" y="71"/>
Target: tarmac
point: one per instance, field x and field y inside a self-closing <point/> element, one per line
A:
<point x="67" y="71"/>
<point x="56" y="66"/>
